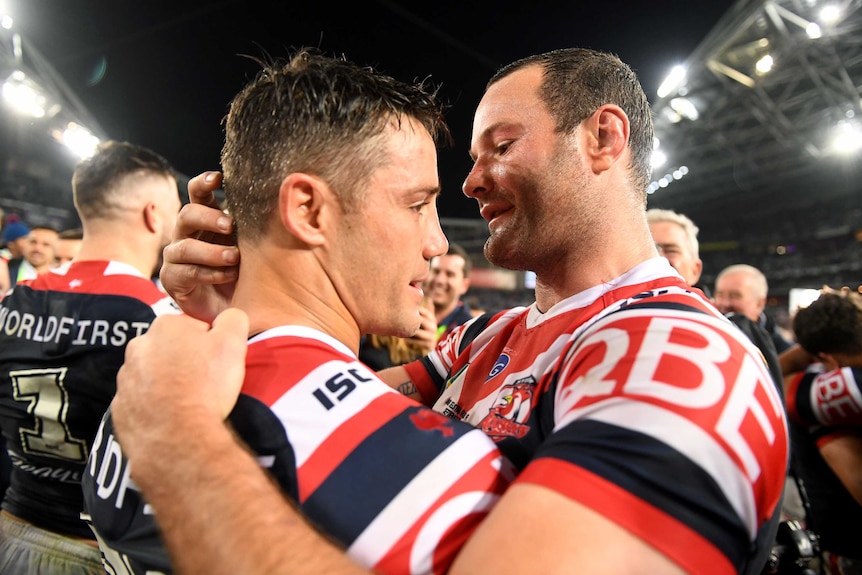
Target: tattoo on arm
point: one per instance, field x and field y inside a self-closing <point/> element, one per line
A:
<point x="407" y="388"/>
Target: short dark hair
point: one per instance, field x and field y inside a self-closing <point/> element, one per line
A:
<point x="830" y="324"/>
<point x="96" y="177"/>
<point x="72" y="234"/>
<point x="578" y="81"/>
<point x="457" y="250"/>
<point x="314" y="114"/>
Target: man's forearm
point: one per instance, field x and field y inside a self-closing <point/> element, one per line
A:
<point x="221" y="514"/>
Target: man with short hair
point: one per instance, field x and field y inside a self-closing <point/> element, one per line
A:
<point x="398" y="486"/>
<point x="675" y="237"/>
<point x="742" y="289"/>
<point x="449" y="281"/>
<point x="62" y="338"/>
<point x="630" y="406"/>
<point x="68" y="245"/>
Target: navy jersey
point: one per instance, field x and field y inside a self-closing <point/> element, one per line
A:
<point x="399" y="486"/>
<point x="62" y="340"/>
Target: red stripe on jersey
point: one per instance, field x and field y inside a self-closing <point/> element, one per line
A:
<point x="833" y="434"/>
<point x="89" y="278"/>
<point x="332" y="452"/>
<point x="268" y="380"/>
<point x="446" y="546"/>
<point x="671" y="537"/>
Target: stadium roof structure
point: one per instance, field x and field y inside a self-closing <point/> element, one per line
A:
<point x="768" y="110"/>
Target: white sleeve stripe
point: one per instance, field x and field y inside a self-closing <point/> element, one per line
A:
<point x="686" y="437"/>
<point x="309" y="423"/>
<point x="400" y="515"/>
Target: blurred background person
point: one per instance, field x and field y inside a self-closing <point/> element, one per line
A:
<point x="829" y="334"/>
<point x="675" y="236"/>
<point x="62" y="340"/>
<point x="742" y="289"/>
<point x="15" y="234"/>
<point x="68" y="245"/>
<point x="449" y="281"/>
<point x="38" y="255"/>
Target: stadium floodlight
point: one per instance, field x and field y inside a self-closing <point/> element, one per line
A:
<point x="830" y="14"/>
<point x="846" y="138"/>
<point x="658" y="159"/>
<point x="672" y="82"/>
<point x="6" y="21"/>
<point x="26" y="97"/>
<point x="78" y="139"/>
<point x="685" y="108"/>
<point x="813" y="30"/>
<point x="764" y="64"/>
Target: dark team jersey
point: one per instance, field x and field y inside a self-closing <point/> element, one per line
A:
<point x="830" y="398"/>
<point x="833" y="513"/>
<point x="638" y="399"/>
<point x="399" y="486"/>
<point x="458" y="316"/>
<point x="62" y="340"/>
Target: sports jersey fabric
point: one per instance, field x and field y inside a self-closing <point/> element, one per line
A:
<point x="62" y="340"/>
<point x="400" y="486"/>
<point x="818" y="397"/>
<point x="636" y="398"/>
<point x="461" y="314"/>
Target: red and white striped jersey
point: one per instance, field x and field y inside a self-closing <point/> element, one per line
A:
<point x="636" y="398"/>
<point x="830" y="398"/>
<point x="399" y="486"/>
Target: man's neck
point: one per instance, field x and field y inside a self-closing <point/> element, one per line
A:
<point x="108" y="247"/>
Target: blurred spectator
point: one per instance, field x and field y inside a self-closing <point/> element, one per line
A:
<point x="675" y="236"/>
<point x="15" y="234"/>
<point x="38" y="255"/>
<point x="5" y="283"/>
<point x="828" y="459"/>
<point x="449" y="280"/>
<point x="68" y="244"/>
<point x="742" y="289"/>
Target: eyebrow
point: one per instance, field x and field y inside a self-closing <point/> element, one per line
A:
<point x="487" y="133"/>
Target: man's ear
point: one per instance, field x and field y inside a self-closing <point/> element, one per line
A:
<point x="151" y="217"/>
<point x="303" y="201"/>
<point x="607" y="137"/>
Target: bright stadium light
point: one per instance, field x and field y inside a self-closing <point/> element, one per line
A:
<point x="685" y="108"/>
<point x="26" y="96"/>
<point x="78" y="139"/>
<point x="672" y="82"/>
<point x="830" y="14"/>
<point x="764" y="65"/>
<point x="846" y="138"/>
<point x="658" y="159"/>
